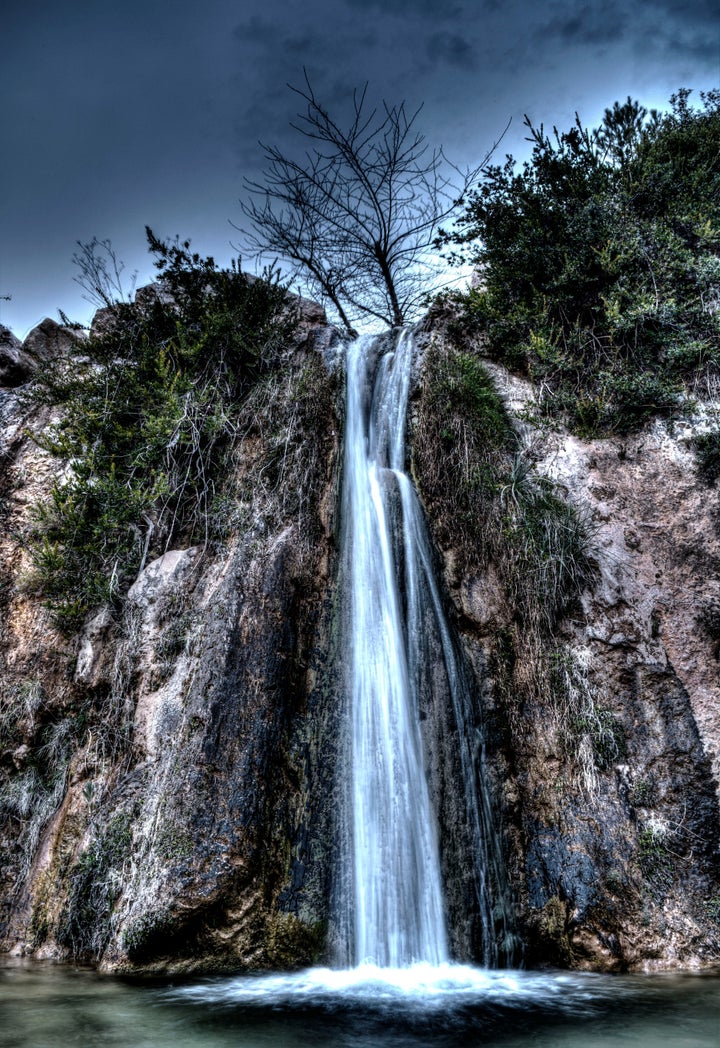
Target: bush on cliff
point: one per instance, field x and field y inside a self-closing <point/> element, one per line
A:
<point x="148" y="418"/>
<point x="486" y="502"/>
<point x="599" y="263"/>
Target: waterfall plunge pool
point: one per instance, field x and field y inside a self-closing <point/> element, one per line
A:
<point x="55" y="1006"/>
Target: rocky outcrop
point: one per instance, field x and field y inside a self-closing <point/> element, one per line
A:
<point x="648" y="821"/>
<point x="15" y="365"/>
<point x="166" y="776"/>
<point x="167" y="789"/>
<point x="18" y="361"/>
<point x="48" y="340"/>
<point x="606" y="771"/>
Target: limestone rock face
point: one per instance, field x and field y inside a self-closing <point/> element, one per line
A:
<point x="166" y="775"/>
<point x="652" y="660"/>
<point x="48" y="339"/>
<point x="18" y="361"/>
<point x="607" y="781"/>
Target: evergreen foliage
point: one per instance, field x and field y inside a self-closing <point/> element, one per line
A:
<point x="148" y="417"/>
<point x="707" y="456"/>
<point x="600" y="263"/>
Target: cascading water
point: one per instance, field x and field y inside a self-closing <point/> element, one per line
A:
<point x="403" y="662"/>
<point x="394" y="890"/>
<point x="391" y="910"/>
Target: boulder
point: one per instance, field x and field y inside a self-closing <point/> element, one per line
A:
<point x="49" y="340"/>
<point x="104" y="318"/>
<point x="16" y="366"/>
<point x="148" y="294"/>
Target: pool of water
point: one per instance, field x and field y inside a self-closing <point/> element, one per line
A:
<point x="46" y="1006"/>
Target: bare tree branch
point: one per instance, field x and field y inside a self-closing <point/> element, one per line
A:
<point x="355" y="218"/>
<point x="100" y="274"/>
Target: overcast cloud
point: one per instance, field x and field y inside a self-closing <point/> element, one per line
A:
<point x="118" y="115"/>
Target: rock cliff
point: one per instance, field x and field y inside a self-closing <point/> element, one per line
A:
<point x="164" y="796"/>
<point x="603" y="746"/>
<point x="167" y="775"/>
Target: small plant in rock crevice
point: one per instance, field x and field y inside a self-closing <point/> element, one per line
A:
<point x="712" y="909"/>
<point x="643" y="793"/>
<point x="655" y="857"/>
<point x="707" y="456"/>
<point x="593" y="736"/>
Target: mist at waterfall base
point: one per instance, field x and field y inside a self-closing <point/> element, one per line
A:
<point x="393" y="983"/>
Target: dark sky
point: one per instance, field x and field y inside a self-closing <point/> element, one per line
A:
<point x="117" y="114"/>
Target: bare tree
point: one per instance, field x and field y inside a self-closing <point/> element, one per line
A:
<point x="356" y="217"/>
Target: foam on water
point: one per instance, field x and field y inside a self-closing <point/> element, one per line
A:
<point x="419" y="986"/>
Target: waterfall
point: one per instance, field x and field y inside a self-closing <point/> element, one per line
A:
<point x="391" y="910"/>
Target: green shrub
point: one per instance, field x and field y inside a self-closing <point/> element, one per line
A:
<point x="600" y="263"/>
<point x="485" y="500"/>
<point x="707" y="456"/>
<point x="149" y="416"/>
<point x="606" y="736"/>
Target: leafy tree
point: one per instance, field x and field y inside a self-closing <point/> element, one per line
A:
<point x="356" y="217"/>
<point x="676" y="166"/>
<point x="621" y="131"/>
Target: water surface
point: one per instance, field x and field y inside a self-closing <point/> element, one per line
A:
<point x="46" y="1006"/>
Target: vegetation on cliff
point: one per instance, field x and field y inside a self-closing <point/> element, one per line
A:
<point x="484" y="498"/>
<point x="599" y="263"/>
<point x="487" y="504"/>
<point x="149" y="413"/>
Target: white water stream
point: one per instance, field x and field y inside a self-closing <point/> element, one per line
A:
<point x="392" y="909"/>
<point x="393" y="887"/>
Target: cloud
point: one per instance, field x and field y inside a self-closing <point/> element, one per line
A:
<point x="436" y="10"/>
<point x="256" y="30"/>
<point x="589" y="23"/>
<point x="661" y="27"/>
<point x="152" y="111"/>
<point x="452" y="48"/>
